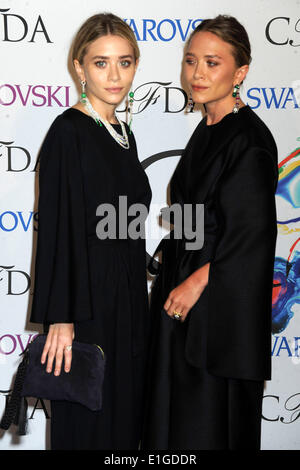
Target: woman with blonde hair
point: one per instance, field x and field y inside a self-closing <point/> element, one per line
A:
<point x="87" y="288"/>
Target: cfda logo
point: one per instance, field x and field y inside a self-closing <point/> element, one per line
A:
<point x="16" y="28"/>
<point x="173" y="98"/>
<point x="14" y="281"/>
<point x="283" y="30"/>
<point x="283" y="410"/>
<point x="17" y="159"/>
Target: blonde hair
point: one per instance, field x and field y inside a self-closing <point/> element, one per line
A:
<point x="100" y="25"/>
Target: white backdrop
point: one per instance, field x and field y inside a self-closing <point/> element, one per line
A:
<point x="36" y="86"/>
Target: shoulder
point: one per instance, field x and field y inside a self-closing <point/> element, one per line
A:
<point x="253" y="137"/>
<point x="254" y="131"/>
<point x="252" y="147"/>
<point x="64" y="124"/>
<point x="59" y="144"/>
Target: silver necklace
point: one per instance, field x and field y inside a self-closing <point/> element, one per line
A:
<point x="121" y="139"/>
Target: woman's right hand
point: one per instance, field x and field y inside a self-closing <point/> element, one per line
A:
<point x="60" y="336"/>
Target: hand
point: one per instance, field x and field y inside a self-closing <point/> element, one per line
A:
<point x="184" y="296"/>
<point x="59" y="336"/>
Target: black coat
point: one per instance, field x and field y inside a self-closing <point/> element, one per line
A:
<point x="100" y="285"/>
<point x="231" y="168"/>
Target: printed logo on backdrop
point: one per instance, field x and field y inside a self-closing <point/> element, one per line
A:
<point x="13" y="281"/>
<point x="149" y="93"/>
<point x="34" y="402"/>
<point x="173" y="98"/>
<point x="274" y="97"/>
<point x="35" y="95"/>
<point x="165" y="29"/>
<point x="16" y="28"/>
<point x="283" y="31"/>
<point x="19" y="220"/>
<point x="11" y="343"/>
<point x="282" y="410"/>
<point x="17" y="159"/>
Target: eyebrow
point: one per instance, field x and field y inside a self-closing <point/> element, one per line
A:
<point x="107" y="57"/>
<point x="207" y="56"/>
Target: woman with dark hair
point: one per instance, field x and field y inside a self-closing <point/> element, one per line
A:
<point x="89" y="288"/>
<point x="211" y="307"/>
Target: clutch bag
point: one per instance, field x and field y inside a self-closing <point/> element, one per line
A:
<point x="83" y="384"/>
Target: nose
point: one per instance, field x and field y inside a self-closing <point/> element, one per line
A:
<point x="198" y="71"/>
<point x="114" y="73"/>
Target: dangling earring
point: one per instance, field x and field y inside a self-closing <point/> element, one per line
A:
<point x="236" y="95"/>
<point x="83" y="94"/>
<point x="85" y="101"/>
<point x="131" y="95"/>
<point x="190" y="104"/>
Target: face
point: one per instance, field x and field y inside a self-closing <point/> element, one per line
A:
<point x="210" y="69"/>
<point x="108" y="69"/>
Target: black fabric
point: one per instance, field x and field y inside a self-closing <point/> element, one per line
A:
<point x="231" y="168"/>
<point x="100" y="285"/>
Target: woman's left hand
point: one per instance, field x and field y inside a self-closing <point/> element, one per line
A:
<point x="183" y="297"/>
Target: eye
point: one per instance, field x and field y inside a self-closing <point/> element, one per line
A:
<point x="189" y="61"/>
<point x="210" y="63"/>
<point x="125" y="63"/>
<point x="100" y="63"/>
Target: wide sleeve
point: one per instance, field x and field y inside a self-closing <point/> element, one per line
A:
<point x="189" y="260"/>
<point x="241" y="274"/>
<point x="241" y="271"/>
<point x="62" y="287"/>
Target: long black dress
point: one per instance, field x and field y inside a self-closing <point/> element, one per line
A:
<point x="207" y="373"/>
<point x="99" y="285"/>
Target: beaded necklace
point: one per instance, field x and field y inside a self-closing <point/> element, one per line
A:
<point x="121" y="139"/>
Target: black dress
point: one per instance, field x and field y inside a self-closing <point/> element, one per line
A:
<point x="207" y="373"/>
<point x="99" y="285"/>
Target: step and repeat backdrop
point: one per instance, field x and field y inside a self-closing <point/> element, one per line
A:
<point x="37" y="84"/>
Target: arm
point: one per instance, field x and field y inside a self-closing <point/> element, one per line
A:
<point x="241" y="274"/>
<point x="192" y="271"/>
<point x="61" y="293"/>
<point x="184" y="296"/>
<point x="251" y="215"/>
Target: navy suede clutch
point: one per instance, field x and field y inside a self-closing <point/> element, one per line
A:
<point x="83" y="384"/>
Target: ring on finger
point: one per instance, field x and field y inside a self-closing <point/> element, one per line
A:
<point x="177" y="315"/>
<point x="68" y="348"/>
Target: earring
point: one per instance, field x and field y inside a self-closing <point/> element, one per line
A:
<point x="190" y="104"/>
<point x="131" y="95"/>
<point x="236" y="95"/>
<point x="83" y="94"/>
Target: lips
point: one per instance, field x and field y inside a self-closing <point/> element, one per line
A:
<point x="199" y="88"/>
<point x="114" y="90"/>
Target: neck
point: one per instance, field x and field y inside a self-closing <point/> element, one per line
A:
<point x="216" y="111"/>
<point x="106" y="111"/>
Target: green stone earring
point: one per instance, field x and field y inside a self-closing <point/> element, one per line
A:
<point x="83" y="94"/>
<point x="236" y="95"/>
<point x="236" y="90"/>
<point x="131" y="96"/>
<point x="84" y="99"/>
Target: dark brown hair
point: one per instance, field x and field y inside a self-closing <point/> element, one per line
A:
<point x="100" y="25"/>
<point x="231" y="31"/>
